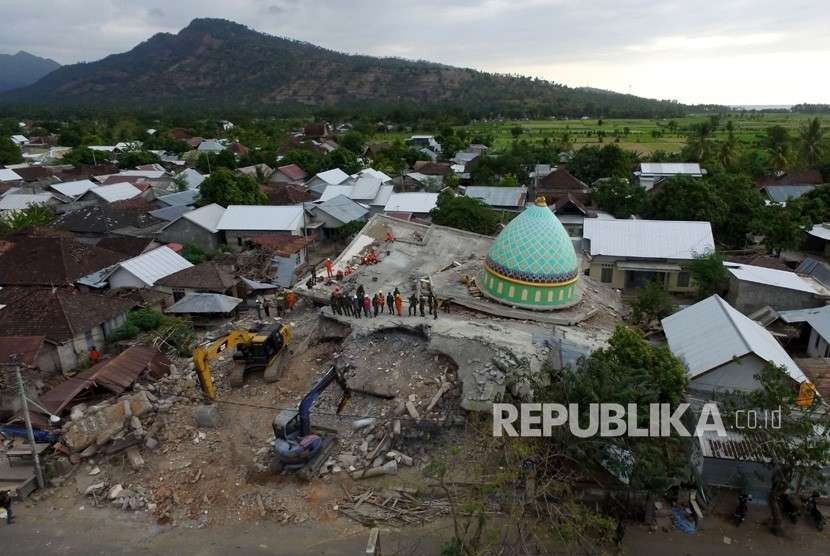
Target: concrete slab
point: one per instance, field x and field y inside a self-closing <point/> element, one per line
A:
<point x="490" y="357"/>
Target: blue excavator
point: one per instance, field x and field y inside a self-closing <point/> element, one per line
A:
<point x="297" y="449"/>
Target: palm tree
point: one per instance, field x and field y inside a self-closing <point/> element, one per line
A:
<point x="811" y="136"/>
<point x="778" y="144"/>
<point x="698" y="141"/>
<point x="728" y="151"/>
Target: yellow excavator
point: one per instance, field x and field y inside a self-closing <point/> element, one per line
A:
<point x="262" y="347"/>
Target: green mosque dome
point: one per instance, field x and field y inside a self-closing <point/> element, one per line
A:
<point x="532" y="263"/>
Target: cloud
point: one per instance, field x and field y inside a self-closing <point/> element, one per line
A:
<point x="710" y="42"/>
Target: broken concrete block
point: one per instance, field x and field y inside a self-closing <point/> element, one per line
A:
<point x="363" y="423"/>
<point x="207" y="416"/>
<point x="77" y="412"/>
<point x="89" y="451"/>
<point x="115" y="492"/>
<point x="151" y="443"/>
<point x="399" y="457"/>
<point x="95" y="471"/>
<point x="93" y="488"/>
<point x="410" y="408"/>
<point x="134" y="457"/>
<point x="388" y="468"/>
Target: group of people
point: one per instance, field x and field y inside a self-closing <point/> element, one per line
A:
<point x="283" y="302"/>
<point x="360" y="303"/>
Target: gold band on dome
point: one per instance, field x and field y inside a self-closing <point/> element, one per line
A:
<point x="540" y="202"/>
<point x="534" y="284"/>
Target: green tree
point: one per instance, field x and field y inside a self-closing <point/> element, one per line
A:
<point x="131" y="159"/>
<point x="344" y="159"/>
<point x="687" y="198"/>
<point x="620" y="197"/>
<point x="516" y="131"/>
<point x="226" y="187"/>
<point x="743" y="207"/>
<point x="629" y="371"/>
<point x="778" y="144"/>
<point x="353" y="141"/>
<point x="180" y="182"/>
<point x="209" y="162"/>
<point x="309" y="161"/>
<point x="464" y="213"/>
<point x="782" y="227"/>
<point x="651" y="302"/>
<point x="709" y="274"/>
<point x="699" y="141"/>
<point x="811" y="136"/>
<point x="610" y="161"/>
<point x="84" y="155"/>
<point x="193" y="253"/>
<point x="799" y="446"/>
<point x="9" y="152"/>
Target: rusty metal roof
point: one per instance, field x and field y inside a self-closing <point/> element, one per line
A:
<point x="25" y="348"/>
<point x="116" y="375"/>
<point x="817" y="370"/>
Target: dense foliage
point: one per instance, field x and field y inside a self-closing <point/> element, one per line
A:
<point x="226" y="187"/>
<point x="464" y="213"/>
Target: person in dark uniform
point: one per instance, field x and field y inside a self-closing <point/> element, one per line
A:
<point x="421" y="301"/>
<point x="430" y="302"/>
<point x="335" y="303"/>
<point x="435" y="305"/>
<point x="390" y="303"/>
<point x="413" y="305"/>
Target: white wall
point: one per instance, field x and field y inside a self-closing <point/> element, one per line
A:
<point x="737" y="375"/>
<point x="122" y="278"/>
<point x="817" y="346"/>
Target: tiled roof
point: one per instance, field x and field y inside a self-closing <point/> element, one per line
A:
<point x="104" y="218"/>
<point x="204" y="276"/>
<point x="24" y="348"/>
<point x="803" y="177"/>
<point x="59" y="314"/>
<point x="292" y="171"/>
<point x="127" y="246"/>
<point x="42" y="261"/>
<point x="286" y="194"/>
<point x="561" y="180"/>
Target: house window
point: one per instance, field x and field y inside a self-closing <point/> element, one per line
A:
<point x="177" y="295"/>
<point x="683" y="279"/>
<point x="607" y="275"/>
<point x="239" y="240"/>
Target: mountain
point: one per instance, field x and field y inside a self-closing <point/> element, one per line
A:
<point x="214" y="63"/>
<point x="21" y="69"/>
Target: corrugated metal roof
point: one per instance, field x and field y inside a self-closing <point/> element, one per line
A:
<point x="343" y="209"/>
<point x="9" y="175"/>
<point x="498" y="196"/>
<point x="801" y="315"/>
<point x="149" y="174"/>
<point x="210" y="146"/>
<point x="74" y="188"/>
<point x="335" y="176"/>
<point x="783" y="193"/>
<point x="417" y="203"/>
<point x="288" y="218"/>
<point x="820" y="322"/>
<point x="116" y="192"/>
<point x="648" y="239"/>
<point x="169" y="214"/>
<point x="207" y="217"/>
<point x="199" y="302"/>
<point x="365" y="188"/>
<point x="192" y="177"/>
<point x="20" y="201"/>
<point x="738" y="446"/>
<point x="383" y="196"/>
<point x="821" y="231"/>
<point x="711" y="333"/>
<point x="375" y="174"/>
<point x="769" y="277"/>
<point x="153" y="265"/>
<point x="670" y="168"/>
<point x="818" y="270"/>
<point x="332" y="191"/>
<point x="182" y="198"/>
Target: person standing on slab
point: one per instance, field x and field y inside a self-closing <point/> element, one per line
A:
<point x="413" y="305"/>
<point x="390" y="303"/>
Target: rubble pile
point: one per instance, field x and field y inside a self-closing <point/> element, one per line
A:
<point x="397" y="506"/>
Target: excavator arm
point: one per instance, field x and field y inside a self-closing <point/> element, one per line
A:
<point x="204" y="353"/>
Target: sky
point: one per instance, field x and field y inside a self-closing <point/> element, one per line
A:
<point x="759" y="52"/>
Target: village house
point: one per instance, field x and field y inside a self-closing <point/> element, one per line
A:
<point x="50" y="261"/>
<point x="286" y="194"/>
<point x="197" y="227"/>
<point x="318" y="183"/>
<point x="366" y="190"/>
<point x="818" y="239"/>
<point x="110" y="193"/>
<point x="500" y="198"/>
<point x="28" y="354"/>
<point x="722" y="349"/>
<point x="289" y="255"/>
<point x="205" y="309"/>
<point x="70" y="321"/>
<point x="630" y="253"/>
<point x="754" y="287"/>
<point x="411" y="205"/>
<point x="242" y="223"/>
<point x="290" y="174"/>
<point x="130" y="218"/>
<point x="650" y="174"/>
<point x="191" y="177"/>
<point x="204" y="277"/>
<point x="9" y="176"/>
<point x="572" y="213"/>
<point x="12" y="202"/>
<point x="74" y="189"/>
<point x="139" y="272"/>
<point x="794" y="178"/>
<point x="559" y="182"/>
<point x="814" y="326"/>
<point x="334" y="213"/>
<point x="781" y="194"/>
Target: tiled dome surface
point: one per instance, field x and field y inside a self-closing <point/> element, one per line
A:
<point x="535" y="248"/>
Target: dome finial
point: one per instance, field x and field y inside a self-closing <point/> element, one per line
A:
<point x="540" y="202"/>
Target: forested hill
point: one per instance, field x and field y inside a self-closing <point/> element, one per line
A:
<point x="214" y="63"/>
<point x="21" y="69"/>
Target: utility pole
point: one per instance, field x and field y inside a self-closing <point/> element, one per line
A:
<point x="29" y="431"/>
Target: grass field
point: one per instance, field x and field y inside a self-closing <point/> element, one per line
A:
<point x="642" y="135"/>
